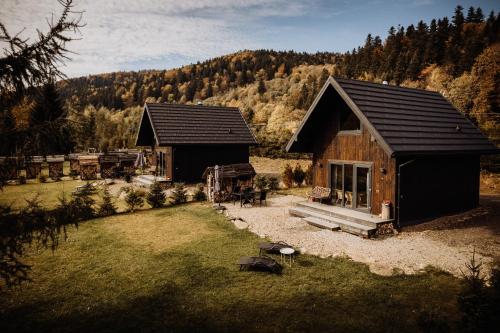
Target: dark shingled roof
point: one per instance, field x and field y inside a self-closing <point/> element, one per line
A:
<point x="408" y="121"/>
<point x="179" y="124"/>
<point x="232" y="170"/>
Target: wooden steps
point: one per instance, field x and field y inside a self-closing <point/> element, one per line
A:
<point x="335" y="218"/>
<point x="323" y="224"/>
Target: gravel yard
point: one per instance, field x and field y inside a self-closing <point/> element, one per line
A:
<point x="408" y="252"/>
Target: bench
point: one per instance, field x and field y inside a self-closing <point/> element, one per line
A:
<point x="319" y="193"/>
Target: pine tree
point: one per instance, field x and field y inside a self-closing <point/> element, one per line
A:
<point x="179" y="194"/>
<point x="134" y="199"/>
<point x="261" y="87"/>
<point x="209" y="92"/>
<point x="156" y="197"/>
<point x="107" y="207"/>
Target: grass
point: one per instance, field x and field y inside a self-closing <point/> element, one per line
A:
<point x="298" y="191"/>
<point x="174" y="269"/>
<point x="49" y="192"/>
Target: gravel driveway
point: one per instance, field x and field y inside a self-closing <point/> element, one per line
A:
<point x="409" y="252"/>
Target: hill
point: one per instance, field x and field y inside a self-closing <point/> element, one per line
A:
<point x="459" y="58"/>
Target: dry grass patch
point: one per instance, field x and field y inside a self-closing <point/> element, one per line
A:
<point x="275" y="165"/>
<point x="157" y="230"/>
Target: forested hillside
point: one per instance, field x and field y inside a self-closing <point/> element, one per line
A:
<point x="459" y="57"/>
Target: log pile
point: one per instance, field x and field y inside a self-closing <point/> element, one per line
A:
<point x="33" y="166"/>
<point x="10" y="167"/>
<point x="74" y="165"/>
<point x="88" y="166"/>
<point x="55" y="163"/>
<point x="109" y="164"/>
<point x="127" y="164"/>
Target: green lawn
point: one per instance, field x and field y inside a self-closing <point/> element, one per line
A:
<point x="174" y="269"/>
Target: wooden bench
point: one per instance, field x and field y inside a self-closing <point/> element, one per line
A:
<point x="319" y="193"/>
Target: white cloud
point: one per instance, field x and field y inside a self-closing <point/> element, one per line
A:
<point x="120" y="35"/>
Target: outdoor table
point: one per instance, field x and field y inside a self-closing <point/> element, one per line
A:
<point x="287" y="251"/>
<point x="241" y="195"/>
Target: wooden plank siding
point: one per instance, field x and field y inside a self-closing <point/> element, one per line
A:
<point x="355" y="147"/>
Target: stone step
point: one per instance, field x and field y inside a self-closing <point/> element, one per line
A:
<point x="343" y="213"/>
<point x="320" y="223"/>
<point x="345" y="225"/>
<point x="143" y="181"/>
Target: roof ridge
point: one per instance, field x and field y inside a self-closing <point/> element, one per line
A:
<point x="191" y="106"/>
<point x="388" y="86"/>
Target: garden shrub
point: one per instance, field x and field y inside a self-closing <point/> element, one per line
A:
<point x="156" y="197"/>
<point x="134" y="198"/>
<point x="21" y="180"/>
<point x="478" y="302"/>
<point x="42" y="178"/>
<point x="199" y="194"/>
<point x="179" y="194"/>
<point x="73" y="174"/>
<point x="298" y="175"/>
<point x="128" y="178"/>
<point x="273" y="183"/>
<point x="82" y="203"/>
<point x="288" y="176"/>
<point x="261" y="182"/>
<point x="107" y="207"/>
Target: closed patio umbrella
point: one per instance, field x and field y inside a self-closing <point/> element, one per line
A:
<point x="217" y="179"/>
<point x="140" y="161"/>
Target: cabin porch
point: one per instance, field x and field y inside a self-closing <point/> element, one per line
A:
<point x="339" y="218"/>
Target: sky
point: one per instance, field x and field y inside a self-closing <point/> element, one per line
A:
<point x="123" y="35"/>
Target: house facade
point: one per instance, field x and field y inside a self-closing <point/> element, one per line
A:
<point x="186" y="139"/>
<point x="374" y="144"/>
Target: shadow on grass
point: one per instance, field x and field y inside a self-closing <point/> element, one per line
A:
<point x="191" y="304"/>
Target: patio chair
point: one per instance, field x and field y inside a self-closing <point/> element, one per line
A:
<point x="235" y="194"/>
<point x="339" y="197"/>
<point x="348" y="201"/>
<point x="271" y="247"/>
<point x="248" y="198"/>
<point x="262" y="263"/>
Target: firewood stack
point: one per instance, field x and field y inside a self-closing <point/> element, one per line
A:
<point x="88" y="166"/>
<point x="74" y="165"/>
<point x="109" y="165"/>
<point x="33" y="166"/>
<point x="55" y="163"/>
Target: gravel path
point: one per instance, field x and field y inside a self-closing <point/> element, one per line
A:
<point x="406" y="252"/>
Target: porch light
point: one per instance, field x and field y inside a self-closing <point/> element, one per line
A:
<point x="383" y="171"/>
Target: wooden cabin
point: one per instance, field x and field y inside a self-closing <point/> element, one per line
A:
<point x="55" y="163"/>
<point x="186" y="139"/>
<point x="375" y="143"/>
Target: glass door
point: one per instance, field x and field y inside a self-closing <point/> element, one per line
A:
<point x="362" y="187"/>
<point x="351" y="185"/>
<point x="161" y="164"/>
<point x="337" y="183"/>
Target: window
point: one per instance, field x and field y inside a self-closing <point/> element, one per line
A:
<point x="348" y="120"/>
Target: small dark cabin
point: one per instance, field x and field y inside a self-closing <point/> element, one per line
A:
<point x="375" y="143"/>
<point x="186" y="139"/>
